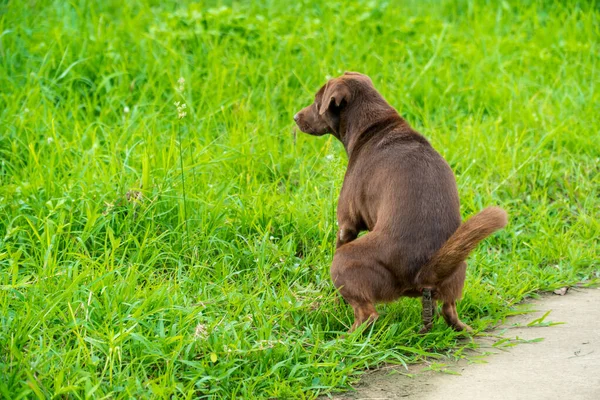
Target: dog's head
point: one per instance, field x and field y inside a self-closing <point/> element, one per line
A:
<point x="326" y="114"/>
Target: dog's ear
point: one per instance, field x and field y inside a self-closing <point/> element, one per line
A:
<point x="335" y="93"/>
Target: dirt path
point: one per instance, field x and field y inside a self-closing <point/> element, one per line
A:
<point x="565" y="364"/>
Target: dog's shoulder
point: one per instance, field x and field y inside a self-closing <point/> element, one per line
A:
<point x="403" y="137"/>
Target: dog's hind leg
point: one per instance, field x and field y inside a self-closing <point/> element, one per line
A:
<point x="363" y="313"/>
<point x="361" y="280"/>
<point x="451" y="317"/>
<point x="448" y="292"/>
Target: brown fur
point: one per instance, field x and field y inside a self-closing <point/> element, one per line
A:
<point x="404" y="193"/>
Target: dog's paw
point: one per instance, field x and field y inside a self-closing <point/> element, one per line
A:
<point x="462" y="327"/>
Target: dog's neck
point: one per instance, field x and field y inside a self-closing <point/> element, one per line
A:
<point x="358" y="126"/>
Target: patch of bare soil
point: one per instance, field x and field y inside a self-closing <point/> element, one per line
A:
<point x="550" y="361"/>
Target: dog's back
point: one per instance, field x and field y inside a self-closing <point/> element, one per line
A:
<point x="414" y="193"/>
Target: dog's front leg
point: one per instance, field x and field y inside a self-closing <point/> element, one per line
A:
<point x="345" y="235"/>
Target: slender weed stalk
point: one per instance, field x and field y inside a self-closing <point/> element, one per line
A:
<point x="181" y="114"/>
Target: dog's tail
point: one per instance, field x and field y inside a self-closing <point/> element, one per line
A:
<point x="456" y="249"/>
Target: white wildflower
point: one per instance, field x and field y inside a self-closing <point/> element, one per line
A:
<point x="200" y="332"/>
<point x="181" y="113"/>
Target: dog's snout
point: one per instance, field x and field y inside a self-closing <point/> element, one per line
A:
<point x="296" y="117"/>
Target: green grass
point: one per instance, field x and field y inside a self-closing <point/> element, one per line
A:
<point x="105" y="294"/>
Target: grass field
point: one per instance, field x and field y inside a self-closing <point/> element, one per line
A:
<point x="121" y="277"/>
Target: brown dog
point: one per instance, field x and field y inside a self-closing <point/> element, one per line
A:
<point x="402" y="191"/>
